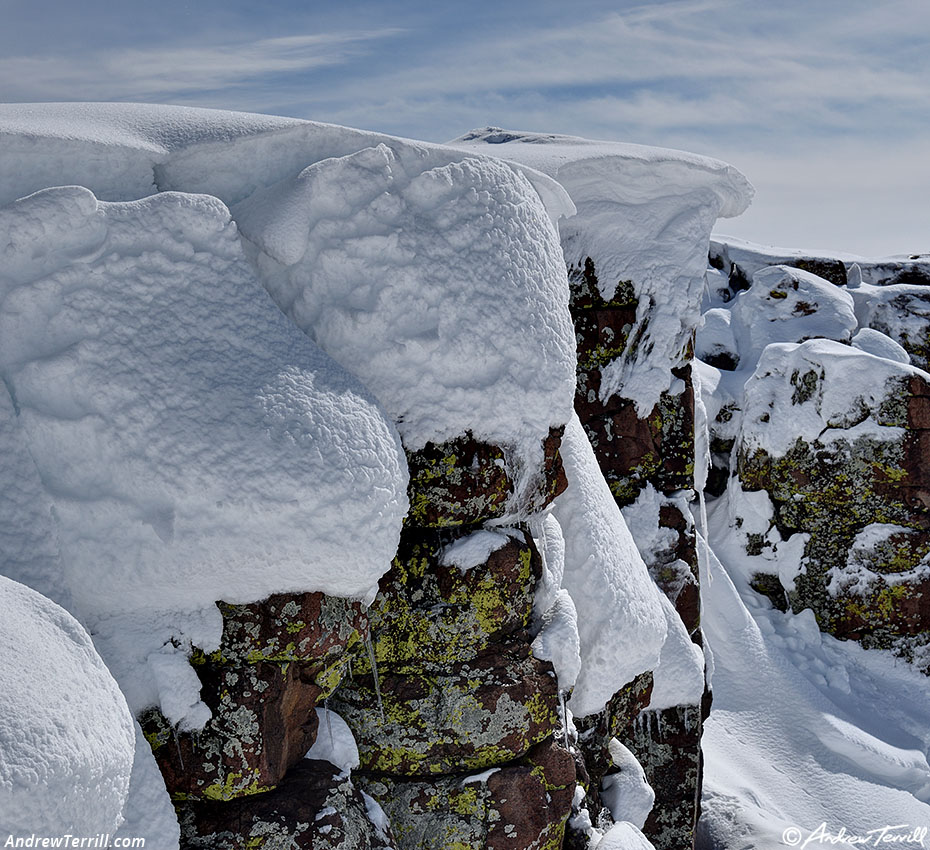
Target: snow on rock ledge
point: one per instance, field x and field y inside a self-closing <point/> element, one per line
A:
<point x="820" y="390"/>
<point x="645" y="215"/>
<point x="439" y="283"/>
<point x="194" y="444"/>
<point x="66" y="734"/>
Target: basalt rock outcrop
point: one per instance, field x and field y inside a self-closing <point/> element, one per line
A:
<point x="457" y="723"/>
<point x="820" y="445"/>
<point x="636" y="452"/>
<point x="434" y="282"/>
<point x="853" y="494"/>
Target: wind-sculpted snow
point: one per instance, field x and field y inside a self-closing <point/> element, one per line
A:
<point x="66" y="735"/>
<point x="171" y="439"/>
<point x="377" y="247"/>
<point x="644" y="214"/>
<point x="806" y="730"/>
<point x="439" y="283"/>
<point x="789" y="305"/>
<point x="194" y="444"/>
<point x="818" y="390"/>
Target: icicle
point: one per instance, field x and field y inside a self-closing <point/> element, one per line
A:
<point x="177" y="744"/>
<point x="703" y="505"/>
<point x="374" y="673"/>
<point x="329" y="723"/>
<point x="351" y="677"/>
<point x="564" y="717"/>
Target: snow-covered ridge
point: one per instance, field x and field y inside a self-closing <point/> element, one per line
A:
<point x="123" y="151"/>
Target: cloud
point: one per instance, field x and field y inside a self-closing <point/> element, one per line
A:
<point x="697" y="70"/>
<point x="141" y="72"/>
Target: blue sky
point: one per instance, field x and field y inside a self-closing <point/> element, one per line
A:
<point x="824" y="104"/>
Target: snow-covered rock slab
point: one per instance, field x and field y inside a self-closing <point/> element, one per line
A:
<point x="439" y="283"/>
<point x="644" y="215"/>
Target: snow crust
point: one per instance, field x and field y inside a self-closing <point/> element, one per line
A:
<point x="183" y="429"/>
<point x="474" y="549"/>
<point x="715" y="336"/>
<point x="66" y="734"/>
<point x="644" y="215"/>
<point x="878" y="271"/>
<point x="877" y="343"/>
<point x="901" y="311"/>
<point x="621" y="620"/>
<point x="678" y="678"/>
<point x="788" y="305"/>
<point x="558" y="639"/>
<point x="171" y="439"/>
<point x="623" y="836"/>
<point x="848" y="387"/>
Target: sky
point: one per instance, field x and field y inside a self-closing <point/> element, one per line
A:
<point x="823" y="104"/>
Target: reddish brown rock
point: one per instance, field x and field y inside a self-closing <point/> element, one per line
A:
<point x="277" y="660"/>
<point x="263" y="723"/>
<point x="533" y="800"/>
<point x="289" y="627"/>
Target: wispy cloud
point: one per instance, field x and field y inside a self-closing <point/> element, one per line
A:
<point x="668" y="65"/>
<point x="141" y="72"/>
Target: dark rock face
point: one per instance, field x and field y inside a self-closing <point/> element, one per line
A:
<point x="459" y="690"/>
<point x="664" y="744"/>
<point x="459" y="482"/>
<point x="475" y="715"/>
<point x="465" y="482"/>
<point x="633" y="453"/>
<point x="427" y="613"/>
<point x="521" y="806"/>
<point x="595" y="731"/>
<point x="263" y="722"/>
<point x="314" y="808"/>
<point x="306" y="628"/>
<point x="437" y="681"/>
